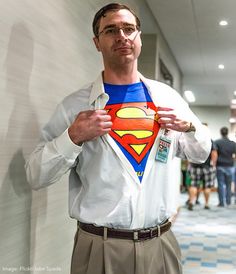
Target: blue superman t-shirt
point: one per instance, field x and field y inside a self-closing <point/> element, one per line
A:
<point x="135" y="125"/>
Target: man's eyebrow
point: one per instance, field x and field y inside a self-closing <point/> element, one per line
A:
<point x="128" y="24"/>
<point x="110" y="26"/>
<point x="114" y="25"/>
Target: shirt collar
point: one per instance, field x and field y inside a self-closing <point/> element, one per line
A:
<point x="98" y="87"/>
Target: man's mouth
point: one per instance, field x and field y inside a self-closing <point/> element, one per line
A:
<point x="123" y="48"/>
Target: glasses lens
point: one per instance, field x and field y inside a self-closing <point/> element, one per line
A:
<point x="128" y="30"/>
<point x="111" y="31"/>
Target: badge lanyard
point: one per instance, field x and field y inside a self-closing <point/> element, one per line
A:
<point x="163" y="147"/>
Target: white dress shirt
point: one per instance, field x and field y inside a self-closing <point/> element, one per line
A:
<point x="104" y="189"/>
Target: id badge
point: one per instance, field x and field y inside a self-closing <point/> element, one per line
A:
<point x="163" y="148"/>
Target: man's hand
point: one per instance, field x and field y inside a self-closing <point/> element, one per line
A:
<point x="168" y="120"/>
<point x="89" y="125"/>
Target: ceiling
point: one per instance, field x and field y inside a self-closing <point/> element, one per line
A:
<point x="199" y="45"/>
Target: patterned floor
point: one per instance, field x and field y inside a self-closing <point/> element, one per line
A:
<point x="207" y="238"/>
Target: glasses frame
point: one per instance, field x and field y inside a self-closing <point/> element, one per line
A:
<point x="118" y="30"/>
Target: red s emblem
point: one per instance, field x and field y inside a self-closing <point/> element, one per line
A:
<point x="135" y="126"/>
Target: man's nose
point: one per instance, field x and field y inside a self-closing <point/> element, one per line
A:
<point x="121" y="34"/>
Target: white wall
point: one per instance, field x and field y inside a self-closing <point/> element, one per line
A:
<point x="44" y="49"/>
<point x="46" y="52"/>
<point x="216" y="118"/>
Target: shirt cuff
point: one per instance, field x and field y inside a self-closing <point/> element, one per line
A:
<point x="199" y="134"/>
<point x="66" y="147"/>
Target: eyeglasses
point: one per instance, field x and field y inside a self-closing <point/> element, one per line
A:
<point x="111" y="31"/>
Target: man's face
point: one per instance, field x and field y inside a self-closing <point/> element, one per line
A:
<point x="119" y="40"/>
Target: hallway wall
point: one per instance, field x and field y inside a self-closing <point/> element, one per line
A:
<point x="155" y="48"/>
<point x="216" y="118"/>
<point x="46" y="52"/>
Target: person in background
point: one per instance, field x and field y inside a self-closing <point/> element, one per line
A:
<point x="234" y="179"/>
<point x="226" y="149"/>
<point x="202" y="176"/>
<point x="118" y="136"/>
<point x="199" y="189"/>
<point x="184" y="167"/>
<point x="188" y="184"/>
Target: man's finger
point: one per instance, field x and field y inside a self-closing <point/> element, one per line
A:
<point x="164" y="109"/>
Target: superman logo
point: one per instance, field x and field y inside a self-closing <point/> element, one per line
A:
<point x="135" y="127"/>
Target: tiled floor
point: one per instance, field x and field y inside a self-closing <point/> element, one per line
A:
<point x="207" y="238"/>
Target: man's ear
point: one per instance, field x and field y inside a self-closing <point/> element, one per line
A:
<point x="96" y="42"/>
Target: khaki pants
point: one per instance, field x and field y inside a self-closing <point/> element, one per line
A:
<point x="94" y="255"/>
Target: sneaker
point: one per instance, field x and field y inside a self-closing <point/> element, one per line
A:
<point x="206" y="207"/>
<point x="190" y="206"/>
<point x="220" y="205"/>
<point x="197" y="202"/>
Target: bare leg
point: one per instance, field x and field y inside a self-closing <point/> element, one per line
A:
<point x="192" y="196"/>
<point x="207" y="192"/>
<point x="199" y="189"/>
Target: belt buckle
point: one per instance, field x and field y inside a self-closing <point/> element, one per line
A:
<point x="157" y="229"/>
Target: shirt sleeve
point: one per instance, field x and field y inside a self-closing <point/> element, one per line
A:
<point x="55" y="154"/>
<point x="214" y="147"/>
<point x="194" y="146"/>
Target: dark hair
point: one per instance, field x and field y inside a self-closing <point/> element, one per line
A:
<point x="224" y="131"/>
<point x="110" y="7"/>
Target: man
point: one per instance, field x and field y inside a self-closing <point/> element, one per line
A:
<point x="122" y="188"/>
<point x="202" y="176"/>
<point x="226" y="149"/>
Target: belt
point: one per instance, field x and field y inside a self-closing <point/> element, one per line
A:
<point x="135" y="235"/>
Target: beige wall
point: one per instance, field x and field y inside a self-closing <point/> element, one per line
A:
<point x="148" y="56"/>
<point x="216" y="118"/>
<point x="155" y="48"/>
<point x="46" y="52"/>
